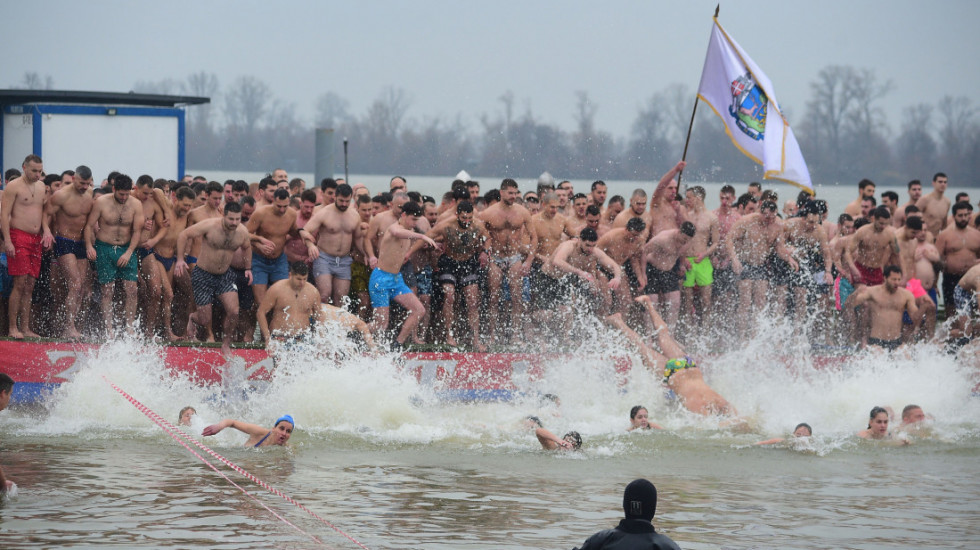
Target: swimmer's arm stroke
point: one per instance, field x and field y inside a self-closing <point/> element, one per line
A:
<point x="245" y="427"/>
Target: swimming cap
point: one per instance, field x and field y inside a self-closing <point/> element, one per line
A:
<point x="287" y="418"/>
<point x="640" y="500"/>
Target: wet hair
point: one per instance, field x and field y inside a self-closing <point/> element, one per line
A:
<point x="845" y="217"/>
<point x="890" y="195"/>
<point x="934" y="178"/>
<point x="728" y="189"/>
<point x="415" y="197"/>
<point x="233" y="207"/>
<point x="914" y="182"/>
<point x="280" y="194"/>
<point x="363" y="199"/>
<point x="579" y="196"/>
<point x="636" y="224"/>
<point x="769" y="195"/>
<point x="239" y="186"/>
<point x="550" y="397"/>
<point x="308" y="196"/>
<point x="745" y="199"/>
<point x="12" y="174"/>
<point x="460" y="193"/>
<point x="962" y="205"/>
<point x="804" y="425"/>
<point x="698" y="191"/>
<point x="122" y="183"/>
<point x="638" y="193"/>
<point x="597" y="183"/>
<point x="872" y="200"/>
<point x="182" y="411"/>
<point x="412" y="209"/>
<point x="821" y="206"/>
<point x="464" y="206"/>
<point x="864" y="183"/>
<point x="212" y="187"/>
<point x="803" y="197"/>
<point x="144" y="180"/>
<point x="343" y="190"/>
<point x="688" y="229"/>
<point x="755" y="184"/>
<point x="51" y="178"/>
<point x="249" y="200"/>
<point x="914" y="223"/>
<point x="617" y="199"/>
<point x="535" y="420"/>
<point x="768" y="205"/>
<point x="911" y="209"/>
<point x="576" y="439"/>
<point x="266" y="182"/>
<point x="299" y="268"/>
<point x="198" y="187"/>
<point x="635" y="410"/>
<point x="592" y="210"/>
<point x="328" y="183"/>
<point x="507" y="183"/>
<point x="492" y="195"/>
<point x="809" y="207"/>
<point x="6" y="383"/>
<point x="471" y="184"/>
<point x="588" y="234"/>
<point x="185" y="192"/>
<point x="875" y="412"/>
<point x="882" y="213"/>
<point x="889" y="269"/>
<point x="908" y="409"/>
<point x="861" y="222"/>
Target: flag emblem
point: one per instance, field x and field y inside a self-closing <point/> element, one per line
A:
<point x="748" y="107"/>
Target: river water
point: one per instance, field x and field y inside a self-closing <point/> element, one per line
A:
<point x="378" y="457"/>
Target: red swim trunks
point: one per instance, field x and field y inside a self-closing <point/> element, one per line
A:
<point x="27" y="254"/>
<point x="871" y="276"/>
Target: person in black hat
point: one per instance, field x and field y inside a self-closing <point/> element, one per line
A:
<point x="636" y="531"/>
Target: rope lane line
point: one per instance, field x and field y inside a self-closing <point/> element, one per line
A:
<point x="178" y="435"/>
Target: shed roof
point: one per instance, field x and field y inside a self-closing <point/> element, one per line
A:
<point x="15" y="97"/>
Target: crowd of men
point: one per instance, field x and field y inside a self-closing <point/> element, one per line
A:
<point x="201" y="260"/>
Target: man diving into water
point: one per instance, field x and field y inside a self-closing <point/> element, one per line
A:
<point x="681" y="374"/>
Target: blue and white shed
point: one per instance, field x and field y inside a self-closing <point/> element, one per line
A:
<point x="131" y="133"/>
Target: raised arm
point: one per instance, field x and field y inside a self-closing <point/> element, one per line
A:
<point x="245" y="427"/>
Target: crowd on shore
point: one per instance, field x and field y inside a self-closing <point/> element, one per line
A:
<point x="199" y="260"/>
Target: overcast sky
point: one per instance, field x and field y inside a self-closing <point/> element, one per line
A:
<point x="456" y="57"/>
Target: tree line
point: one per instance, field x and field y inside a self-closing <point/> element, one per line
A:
<point x="843" y="133"/>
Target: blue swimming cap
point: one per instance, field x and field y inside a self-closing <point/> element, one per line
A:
<point x="287" y="418"/>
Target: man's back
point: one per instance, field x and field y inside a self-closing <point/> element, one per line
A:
<point x="630" y="534"/>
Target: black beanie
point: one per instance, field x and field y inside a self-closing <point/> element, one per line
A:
<point x="640" y="500"/>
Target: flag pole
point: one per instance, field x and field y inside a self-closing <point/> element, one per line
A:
<point x="691" y="125"/>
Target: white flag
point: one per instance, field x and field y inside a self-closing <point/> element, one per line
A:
<point x="742" y="96"/>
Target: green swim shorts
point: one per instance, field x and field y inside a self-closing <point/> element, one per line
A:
<point x="700" y="274"/>
<point x="106" y="256"/>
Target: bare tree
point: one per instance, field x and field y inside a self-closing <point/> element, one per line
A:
<point x="915" y="146"/>
<point x="34" y="81"/>
<point x="332" y="110"/>
<point x="247" y="102"/>
<point x="957" y="125"/>
<point x="167" y="86"/>
<point x="201" y="84"/>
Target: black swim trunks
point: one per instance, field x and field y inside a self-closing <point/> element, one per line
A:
<point x="208" y="286"/>
<point x="662" y="282"/>
<point x="459" y="274"/>
<point x="890" y="345"/>
<point x="754" y="273"/>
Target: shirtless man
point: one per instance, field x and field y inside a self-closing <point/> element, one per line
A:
<point x="935" y="206"/>
<point x="812" y="281"/>
<point x="296" y="249"/>
<point x="504" y="221"/>
<point x="750" y="243"/>
<point x="464" y="242"/>
<point x="664" y="271"/>
<point x="211" y="209"/>
<point x="165" y="253"/>
<point x="637" y="208"/>
<point x="871" y="248"/>
<point x="598" y="194"/>
<point x="915" y="193"/>
<point x="581" y="259"/>
<point x="725" y="286"/>
<point x="386" y="281"/>
<point x="294" y="304"/>
<point x="155" y="224"/>
<point x="616" y="205"/>
<point x="887" y="303"/>
<point x="866" y="188"/>
<point x="380" y="222"/>
<point x="666" y="212"/>
<point x="624" y="246"/>
<point x="359" y="272"/>
<point x="920" y="261"/>
<point x="338" y="229"/>
<point x="68" y="210"/>
<point x="269" y="227"/>
<point x="959" y="247"/>
<point x="680" y="374"/>
<point x="258" y="436"/>
<point x="119" y="218"/>
<point x="212" y="279"/>
<point x="338" y="317"/>
<point x="700" y="271"/>
<point x="25" y="233"/>
<point x="579" y="203"/>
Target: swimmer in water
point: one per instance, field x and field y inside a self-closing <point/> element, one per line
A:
<point x="878" y="427"/>
<point x="681" y="375"/>
<point x="640" y="419"/>
<point x="258" y="435"/>
<point x="571" y="441"/>
<point x="6" y="390"/>
<point x="801" y="430"/>
<point x="184" y="417"/>
<point x="914" y="419"/>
